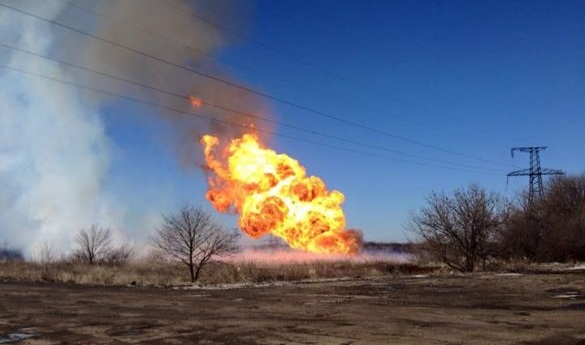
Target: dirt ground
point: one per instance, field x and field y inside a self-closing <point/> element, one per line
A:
<point x="472" y="309"/>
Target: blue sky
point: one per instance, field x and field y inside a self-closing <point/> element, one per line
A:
<point x="471" y="77"/>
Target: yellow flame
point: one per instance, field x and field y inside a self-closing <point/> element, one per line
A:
<point x="272" y="194"/>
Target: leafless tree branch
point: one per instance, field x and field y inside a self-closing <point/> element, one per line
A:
<point x="193" y="237"/>
<point x="459" y="229"/>
<point x="93" y="244"/>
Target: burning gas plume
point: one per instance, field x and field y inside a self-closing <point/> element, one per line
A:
<point x="272" y="194"/>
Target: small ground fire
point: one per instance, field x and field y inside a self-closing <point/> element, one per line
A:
<point x="272" y="194"/>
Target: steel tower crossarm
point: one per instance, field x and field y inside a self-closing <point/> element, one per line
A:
<point x="534" y="172"/>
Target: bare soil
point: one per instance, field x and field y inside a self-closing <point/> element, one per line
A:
<point x="471" y="309"/>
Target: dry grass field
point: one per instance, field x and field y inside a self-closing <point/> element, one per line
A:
<point x="486" y="308"/>
<point x="165" y="274"/>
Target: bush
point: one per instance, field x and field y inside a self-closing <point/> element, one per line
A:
<point x="150" y="272"/>
<point x="460" y="229"/>
<point x="552" y="229"/>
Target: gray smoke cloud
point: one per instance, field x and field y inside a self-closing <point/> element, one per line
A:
<point x="170" y="30"/>
<point x="54" y="153"/>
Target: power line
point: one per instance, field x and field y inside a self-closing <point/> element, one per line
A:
<point x="186" y="97"/>
<point x="253" y="91"/>
<point x="281" y="52"/>
<point x="213" y="119"/>
<point x="183" y="45"/>
<point x="305" y="62"/>
<point x="240" y="35"/>
<point x="238" y="65"/>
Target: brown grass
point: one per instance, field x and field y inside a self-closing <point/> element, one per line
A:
<point x="156" y="273"/>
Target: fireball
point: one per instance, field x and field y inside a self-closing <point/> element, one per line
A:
<point x="272" y="193"/>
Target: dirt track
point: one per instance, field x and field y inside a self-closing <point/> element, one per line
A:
<point x="479" y="309"/>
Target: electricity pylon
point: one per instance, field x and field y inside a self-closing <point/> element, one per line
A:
<point x="535" y="172"/>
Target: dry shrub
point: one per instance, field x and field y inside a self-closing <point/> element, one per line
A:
<point x="80" y="273"/>
<point x="458" y="229"/>
<point x="152" y="272"/>
<point x="257" y="272"/>
<point x="551" y="229"/>
<point x="512" y="266"/>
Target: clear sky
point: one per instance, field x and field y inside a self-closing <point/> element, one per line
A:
<point x="425" y="95"/>
<point x="473" y="78"/>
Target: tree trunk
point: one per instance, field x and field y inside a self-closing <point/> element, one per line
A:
<point x="197" y="273"/>
<point x="469" y="264"/>
<point x="191" y="270"/>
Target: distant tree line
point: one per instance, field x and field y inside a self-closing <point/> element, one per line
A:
<point x="471" y="226"/>
<point x="552" y="229"/>
<point x="10" y="254"/>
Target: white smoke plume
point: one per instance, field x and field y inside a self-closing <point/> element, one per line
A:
<point x="54" y="152"/>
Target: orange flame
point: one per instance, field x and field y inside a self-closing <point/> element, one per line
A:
<point x="196" y="102"/>
<point x="272" y="194"/>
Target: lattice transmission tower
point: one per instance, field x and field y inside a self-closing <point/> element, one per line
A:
<point x="535" y="172"/>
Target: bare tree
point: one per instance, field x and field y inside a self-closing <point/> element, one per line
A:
<point x="119" y="256"/>
<point x="523" y="233"/>
<point x="551" y="229"/>
<point x="563" y="212"/>
<point x="192" y="237"/>
<point x="460" y="229"/>
<point x="44" y="253"/>
<point x="93" y="244"/>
